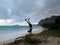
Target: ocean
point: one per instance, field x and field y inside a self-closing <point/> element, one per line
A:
<point x="10" y="32"/>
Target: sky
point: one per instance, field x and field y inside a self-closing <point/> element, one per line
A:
<point x="14" y="12"/>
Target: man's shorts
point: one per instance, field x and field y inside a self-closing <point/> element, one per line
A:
<point x="29" y="31"/>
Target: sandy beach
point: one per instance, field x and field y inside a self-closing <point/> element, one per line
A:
<point x="12" y="40"/>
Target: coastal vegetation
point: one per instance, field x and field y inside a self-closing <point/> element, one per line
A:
<point x="50" y="30"/>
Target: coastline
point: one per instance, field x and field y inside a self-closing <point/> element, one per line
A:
<point x="35" y="31"/>
<point x="14" y="32"/>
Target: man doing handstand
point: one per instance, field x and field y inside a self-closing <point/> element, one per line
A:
<point x="30" y="25"/>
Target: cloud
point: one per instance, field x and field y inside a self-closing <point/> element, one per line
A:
<point x="52" y="7"/>
<point x="6" y="21"/>
<point x="11" y="22"/>
<point x="36" y="10"/>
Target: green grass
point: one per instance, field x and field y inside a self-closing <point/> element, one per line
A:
<point x="48" y="33"/>
<point x="42" y="37"/>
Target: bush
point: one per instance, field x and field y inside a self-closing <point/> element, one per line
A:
<point x="55" y="25"/>
<point x="35" y="39"/>
<point x="32" y="39"/>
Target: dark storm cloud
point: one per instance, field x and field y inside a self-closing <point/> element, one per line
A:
<point x="52" y="7"/>
<point x="34" y="9"/>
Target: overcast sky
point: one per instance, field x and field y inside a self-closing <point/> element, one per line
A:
<point x="15" y="11"/>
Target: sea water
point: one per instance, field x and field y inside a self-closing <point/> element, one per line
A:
<point x="10" y="32"/>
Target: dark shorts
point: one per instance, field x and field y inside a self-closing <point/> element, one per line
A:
<point x="29" y="31"/>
